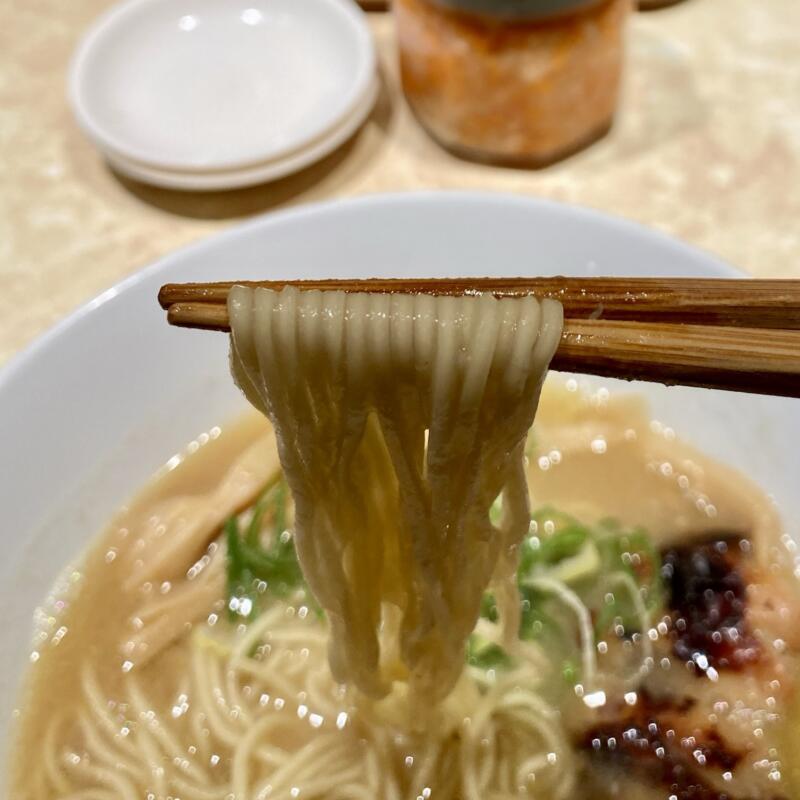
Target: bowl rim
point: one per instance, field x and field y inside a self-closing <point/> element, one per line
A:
<point x="42" y="341"/>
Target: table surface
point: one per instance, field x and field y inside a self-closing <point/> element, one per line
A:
<point x="706" y="147"/>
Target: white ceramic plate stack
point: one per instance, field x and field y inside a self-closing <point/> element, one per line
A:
<point x="218" y="94"/>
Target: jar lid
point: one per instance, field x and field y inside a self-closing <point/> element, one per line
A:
<point x="527" y="10"/>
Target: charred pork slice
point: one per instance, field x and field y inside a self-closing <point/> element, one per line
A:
<point x="667" y="740"/>
<point x="707" y="596"/>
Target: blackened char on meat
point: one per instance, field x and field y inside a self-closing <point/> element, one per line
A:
<point x="645" y="743"/>
<point x="645" y="752"/>
<point x="706" y="592"/>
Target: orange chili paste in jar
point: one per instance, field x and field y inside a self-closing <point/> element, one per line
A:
<point x="520" y="90"/>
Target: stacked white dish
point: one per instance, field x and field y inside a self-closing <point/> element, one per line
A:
<point x="206" y="94"/>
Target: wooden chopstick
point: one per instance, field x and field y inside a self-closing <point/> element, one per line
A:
<point x="699" y="301"/>
<point x="204" y="316"/>
<point x="695" y="332"/>
<point x="754" y="360"/>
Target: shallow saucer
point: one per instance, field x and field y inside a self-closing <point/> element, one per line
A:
<point x="187" y="85"/>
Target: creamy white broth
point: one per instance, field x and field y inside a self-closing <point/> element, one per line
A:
<point x="592" y="456"/>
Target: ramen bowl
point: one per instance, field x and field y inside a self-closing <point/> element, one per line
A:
<point x="96" y="405"/>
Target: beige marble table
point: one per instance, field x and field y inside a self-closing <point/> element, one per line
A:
<point x="706" y="147"/>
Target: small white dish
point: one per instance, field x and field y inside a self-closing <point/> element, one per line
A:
<point x="208" y="85"/>
<point x="259" y="173"/>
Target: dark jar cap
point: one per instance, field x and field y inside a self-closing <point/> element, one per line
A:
<point x="518" y="10"/>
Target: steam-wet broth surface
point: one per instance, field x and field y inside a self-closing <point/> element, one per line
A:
<point x="711" y="711"/>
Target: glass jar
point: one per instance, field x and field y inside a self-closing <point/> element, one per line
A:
<point x="522" y="82"/>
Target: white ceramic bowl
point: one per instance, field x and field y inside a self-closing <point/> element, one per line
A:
<point x="208" y="85"/>
<point x="98" y="403"/>
<point x="258" y="173"/>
